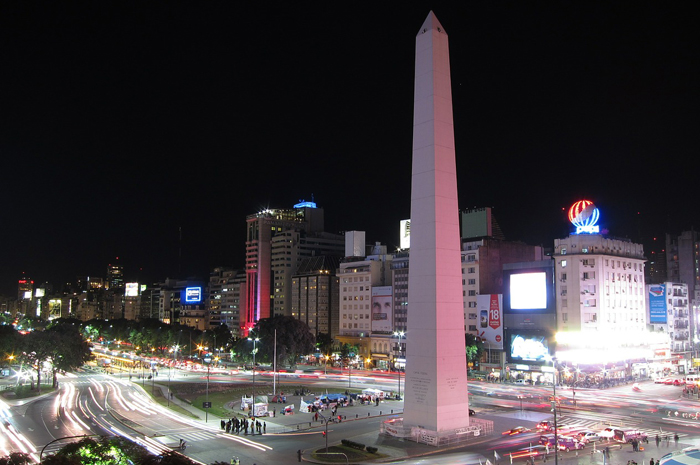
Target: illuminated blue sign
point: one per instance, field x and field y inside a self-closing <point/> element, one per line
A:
<point x="657" y="304"/>
<point x="304" y="203"/>
<point x="193" y="295"/>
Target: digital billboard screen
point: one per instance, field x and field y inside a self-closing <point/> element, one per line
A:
<point x="528" y="346"/>
<point x="529" y="290"/>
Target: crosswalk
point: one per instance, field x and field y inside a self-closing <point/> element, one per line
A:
<point x="584" y="423"/>
<point x="192" y="436"/>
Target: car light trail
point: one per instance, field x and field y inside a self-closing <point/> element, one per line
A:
<point x="246" y="442"/>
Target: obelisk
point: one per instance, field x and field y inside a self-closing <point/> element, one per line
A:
<point x="436" y="402"/>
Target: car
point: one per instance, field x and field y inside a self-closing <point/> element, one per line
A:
<point x="545" y="426"/>
<point x="660" y="380"/>
<point x="471" y="412"/>
<point x="607" y="433"/>
<point x="520" y="381"/>
<point x="516" y="430"/>
<point x="588" y="436"/>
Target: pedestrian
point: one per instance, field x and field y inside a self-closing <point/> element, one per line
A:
<point x="299" y="455"/>
<point x="223" y="424"/>
<point x="264" y="427"/>
<point x="651" y="461"/>
<point x="658" y="440"/>
<point x="675" y="438"/>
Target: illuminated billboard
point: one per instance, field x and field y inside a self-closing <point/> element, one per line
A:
<point x="528" y="346"/>
<point x="193" y="295"/>
<point x="405" y="234"/>
<point x="657" y="304"/>
<point x="584" y="215"/>
<point x="490" y="310"/>
<point x="382" y="310"/>
<point x="529" y="288"/>
<point x="131" y="289"/>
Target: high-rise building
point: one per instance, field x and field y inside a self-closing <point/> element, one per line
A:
<point x="288" y="250"/>
<point x="273" y="251"/>
<point x="227" y="298"/>
<point x="314" y="294"/>
<point x="115" y="276"/>
<point x="683" y="266"/>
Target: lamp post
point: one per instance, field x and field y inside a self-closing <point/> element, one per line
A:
<point x="398" y="334"/>
<point x="554" y="409"/>
<point x="255" y="349"/>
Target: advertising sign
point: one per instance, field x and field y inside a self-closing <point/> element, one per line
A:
<point x="490" y="311"/>
<point x="382" y="309"/>
<point x="193" y="295"/>
<point x="657" y="303"/>
<point x="526" y="346"/>
<point x="131" y="289"/>
<point x="405" y="234"/>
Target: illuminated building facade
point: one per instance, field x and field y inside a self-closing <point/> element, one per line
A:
<point x="273" y="253"/>
<point x="599" y="284"/>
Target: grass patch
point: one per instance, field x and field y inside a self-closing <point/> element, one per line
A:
<point x="158" y="397"/>
<point x="25" y="391"/>
<point x="225" y="398"/>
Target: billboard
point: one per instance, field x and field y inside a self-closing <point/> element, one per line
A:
<point x="529" y="290"/>
<point x="657" y="304"/>
<point x="193" y="295"/>
<point x="405" y="234"/>
<point x="490" y="310"/>
<point x="382" y="310"/>
<point x="528" y="346"/>
<point x="131" y="289"/>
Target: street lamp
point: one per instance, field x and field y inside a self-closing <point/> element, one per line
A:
<point x="254" y="352"/>
<point x="398" y="334"/>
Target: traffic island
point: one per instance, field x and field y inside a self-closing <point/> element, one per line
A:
<point x="346" y="454"/>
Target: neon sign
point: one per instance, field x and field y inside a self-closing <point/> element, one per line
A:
<point x="584" y="215"/>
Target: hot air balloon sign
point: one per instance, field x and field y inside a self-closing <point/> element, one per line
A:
<point x="585" y="215"/>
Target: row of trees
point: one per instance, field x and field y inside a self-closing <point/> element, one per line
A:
<point x="60" y="347"/>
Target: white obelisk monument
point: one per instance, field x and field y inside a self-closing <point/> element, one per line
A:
<point x="436" y="404"/>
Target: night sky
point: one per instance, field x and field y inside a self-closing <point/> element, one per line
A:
<point x="149" y="130"/>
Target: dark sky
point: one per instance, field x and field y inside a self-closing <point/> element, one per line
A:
<point x="124" y="123"/>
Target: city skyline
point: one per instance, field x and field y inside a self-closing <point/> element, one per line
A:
<point x="150" y="133"/>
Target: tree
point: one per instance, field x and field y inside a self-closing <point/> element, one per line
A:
<point x="9" y="342"/>
<point x="474" y="348"/>
<point x="16" y="458"/>
<point x="294" y="338"/>
<point x="324" y="343"/>
<point x="37" y="348"/>
<point x="71" y="351"/>
<point x="102" y="451"/>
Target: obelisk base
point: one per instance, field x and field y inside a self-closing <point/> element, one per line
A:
<point x="395" y="427"/>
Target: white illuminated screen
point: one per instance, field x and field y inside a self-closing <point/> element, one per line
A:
<point x="528" y="291"/>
